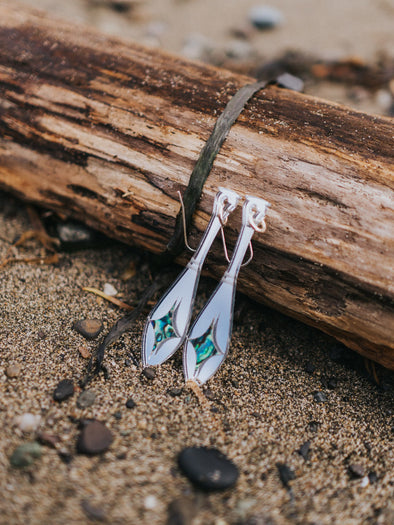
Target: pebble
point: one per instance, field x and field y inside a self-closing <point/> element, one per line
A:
<point x="239" y="49"/>
<point x="289" y="81"/>
<point x="130" y="403"/>
<point x="196" y="46"/>
<point x="92" y="511"/>
<point x="86" y="399"/>
<point x="150" y="502"/>
<point x="372" y="476"/>
<point x="89" y="328"/>
<point x="175" y="392"/>
<point x="75" y="235"/>
<point x="48" y="439"/>
<point x="28" y="422"/>
<point x="95" y="438"/>
<point x="304" y="450"/>
<point x="149" y="372"/>
<point x="320" y="397"/>
<point x="63" y="390"/>
<point x="26" y="454"/>
<point x="208" y="468"/>
<point x="181" y="511"/>
<point x="356" y="470"/>
<point x="265" y="17"/>
<point x="13" y="371"/>
<point x="286" y="474"/>
<point x="85" y="352"/>
<point x="110" y="290"/>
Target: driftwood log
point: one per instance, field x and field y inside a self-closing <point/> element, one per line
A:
<point x="107" y="132"/>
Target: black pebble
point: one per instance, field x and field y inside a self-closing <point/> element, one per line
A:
<point x="373" y="478"/>
<point x="130" y="403"/>
<point x="175" y="392"/>
<point x="304" y="450"/>
<point x="285" y="474"/>
<point x="149" y="372"/>
<point x="313" y="426"/>
<point x="208" y="468"/>
<point x="309" y="367"/>
<point x="320" y="397"/>
<point x="118" y="415"/>
<point x="63" y="390"/>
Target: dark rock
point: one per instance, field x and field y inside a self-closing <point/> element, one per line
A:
<point x="86" y="399"/>
<point x="26" y="454"/>
<point x="286" y="474"/>
<point x="208" y="468"/>
<point x="264" y="17"/>
<point x="118" y="415"/>
<point x="63" y="390"/>
<point x="304" y="450"/>
<point x="175" y="392"/>
<point x="127" y="362"/>
<point x="181" y="511"/>
<point x="356" y="470"/>
<point x="94" y="438"/>
<point x="92" y="512"/>
<point x="89" y="328"/>
<point x="130" y="403"/>
<point x="209" y="394"/>
<point x="320" y="397"/>
<point x="149" y="372"/>
<point x="372" y="476"/>
<point x="65" y="455"/>
<point x="313" y="426"/>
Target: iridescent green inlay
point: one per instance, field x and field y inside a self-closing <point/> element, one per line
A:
<point x="163" y="328"/>
<point x="204" y="346"/>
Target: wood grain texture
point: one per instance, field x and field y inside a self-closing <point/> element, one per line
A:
<point x="108" y="131"/>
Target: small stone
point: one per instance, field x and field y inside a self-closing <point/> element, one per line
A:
<point x="150" y="502"/>
<point x="356" y="470"/>
<point x="130" y="403"/>
<point x="48" y="439"/>
<point x="127" y="362"/>
<point x="86" y="399"/>
<point x="320" y="397"/>
<point x="63" y="390"/>
<point x="65" y="455"/>
<point x="75" y="235"/>
<point x="209" y="394"/>
<point x="364" y="482"/>
<point x="95" y="438"/>
<point x="304" y="450"/>
<point x="196" y="46"/>
<point x="208" y="468"/>
<point x="265" y="17"/>
<point x="288" y="81"/>
<point x="149" y="372"/>
<point x="175" y="392"/>
<point x="118" y="415"/>
<point x="110" y="290"/>
<point x="26" y="454"/>
<point x="239" y="49"/>
<point x="13" y="371"/>
<point x="373" y="478"/>
<point x="181" y="511"/>
<point x="85" y="352"/>
<point x="28" y="422"/>
<point x="332" y="383"/>
<point x="92" y="511"/>
<point x="89" y="328"/>
<point x="286" y="474"/>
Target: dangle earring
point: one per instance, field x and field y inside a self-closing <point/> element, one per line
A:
<point x="208" y="340"/>
<point x="167" y="324"/>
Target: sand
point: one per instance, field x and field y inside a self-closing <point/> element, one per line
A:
<point x="263" y="398"/>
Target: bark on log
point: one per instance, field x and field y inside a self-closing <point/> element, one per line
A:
<point x="108" y="131"/>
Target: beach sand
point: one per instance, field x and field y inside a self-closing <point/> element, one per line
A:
<point x="263" y="403"/>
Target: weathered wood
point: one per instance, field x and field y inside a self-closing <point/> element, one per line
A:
<point x="108" y="131"/>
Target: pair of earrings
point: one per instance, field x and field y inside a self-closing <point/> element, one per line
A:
<point x="206" y="343"/>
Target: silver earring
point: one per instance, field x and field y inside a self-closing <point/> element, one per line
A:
<point x="208" y="340"/>
<point x="167" y="324"/>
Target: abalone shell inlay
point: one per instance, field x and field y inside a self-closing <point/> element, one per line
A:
<point x="164" y="328"/>
<point x="204" y="346"/>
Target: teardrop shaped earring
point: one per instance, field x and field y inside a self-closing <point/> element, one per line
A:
<point x="167" y="324"/>
<point x="208" y="340"/>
